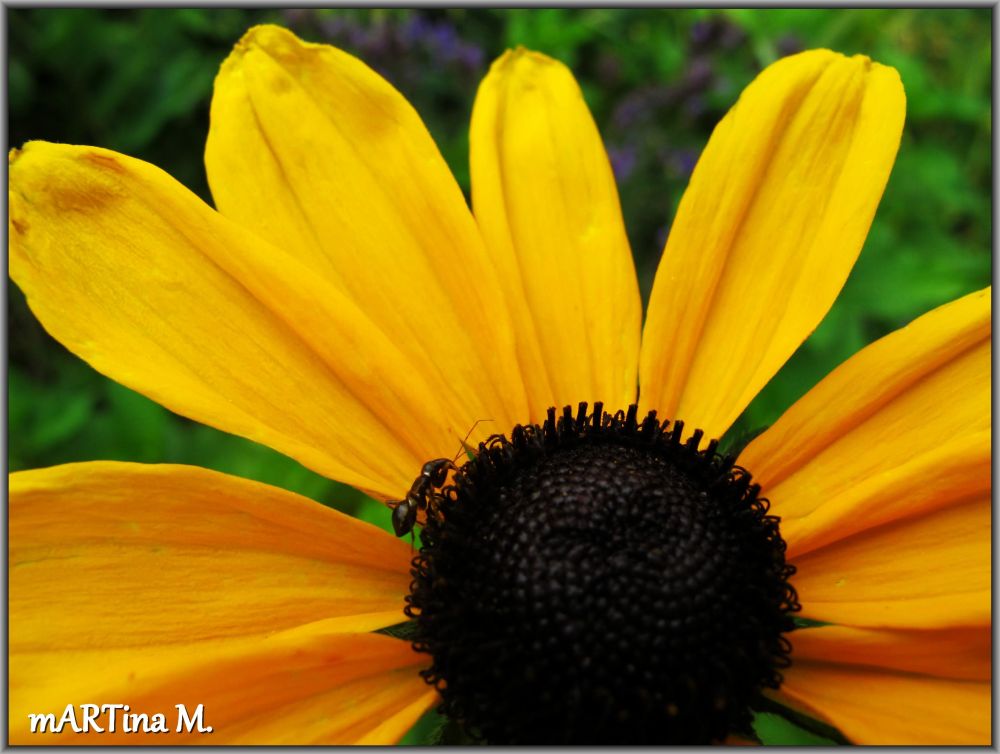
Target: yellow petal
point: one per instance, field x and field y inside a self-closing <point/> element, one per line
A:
<point x="901" y="428"/>
<point x="930" y="571"/>
<point x="875" y="707"/>
<point x="113" y="555"/>
<point x="960" y="653"/>
<point x="290" y="688"/>
<point x="136" y="275"/>
<point x="315" y="152"/>
<point x="545" y="199"/>
<point x="774" y="217"/>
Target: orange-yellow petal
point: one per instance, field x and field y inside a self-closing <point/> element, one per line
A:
<point x="291" y="688"/>
<point x="105" y="556"/>
<point x="901" y="428"/>
<point x="320" y="155"/>
<point x="774" y="217"/>
<point x="545" y="199"/>
<point x="959" y="653"/>
<point x="139" y="277"/>
<point x="734" y="740"/>
<point x="929" y="571"/>
<point x="878" y="707"/>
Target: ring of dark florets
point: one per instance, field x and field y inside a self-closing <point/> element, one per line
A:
<point x="597" y="579"/>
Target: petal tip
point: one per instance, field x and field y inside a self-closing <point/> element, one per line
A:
<point x="266" y="38"/>
<point x="816" y="53"/>
<point x="20" y="154"/>
<point x="522" y="60"/>
<point x="260" y="36"/>
<point x="45" y="155"/>
<point x="826" y="57"/>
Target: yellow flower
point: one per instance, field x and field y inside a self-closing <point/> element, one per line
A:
<point x="344" y="307"/>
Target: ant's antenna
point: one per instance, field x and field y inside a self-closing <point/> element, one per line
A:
<point x="468" y="434"/>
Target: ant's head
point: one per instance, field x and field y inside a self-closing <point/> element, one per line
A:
<point x="436" y="471"/>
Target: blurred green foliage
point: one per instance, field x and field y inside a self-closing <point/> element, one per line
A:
<point x="139" y="81"/>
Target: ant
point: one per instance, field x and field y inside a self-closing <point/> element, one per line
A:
<point x="432" y="478"/>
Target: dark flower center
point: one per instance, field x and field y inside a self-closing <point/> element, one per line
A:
<point x="597" y="580"/>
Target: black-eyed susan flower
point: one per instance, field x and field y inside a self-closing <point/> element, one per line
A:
<point x="588" y="576"/>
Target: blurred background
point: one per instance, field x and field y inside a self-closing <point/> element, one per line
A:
<point x="657" y="80"/>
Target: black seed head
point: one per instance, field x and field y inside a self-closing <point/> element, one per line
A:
<point x="595" y="580"/>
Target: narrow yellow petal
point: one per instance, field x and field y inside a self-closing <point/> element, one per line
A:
<point x="901" y="428"/>
<point x="774" y="217"/>
<point x="317" y="153"/>
<point x="875" y="707"/>
<point x="284" y="689"/>
<point x="928" y="571"/>
<point x="110" y="555"/>
<point x="136" y="275"/>
<point x="545" y="199"/>
<point x="394" y="727"/>
<point x="960" y="653"/>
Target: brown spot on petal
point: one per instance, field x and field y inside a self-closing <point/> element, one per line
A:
<point x="105" y="161"/>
